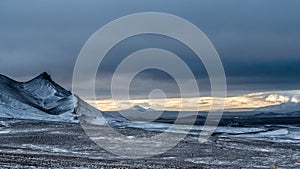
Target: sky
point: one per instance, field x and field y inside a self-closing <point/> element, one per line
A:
<point x="258" y="42"/>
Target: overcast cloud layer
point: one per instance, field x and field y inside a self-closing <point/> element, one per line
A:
<point x="258" y="41"/>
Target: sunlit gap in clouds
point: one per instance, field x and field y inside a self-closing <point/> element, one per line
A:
<point x="250" y="101"/>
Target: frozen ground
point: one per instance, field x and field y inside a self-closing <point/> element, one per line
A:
<point x="39" y="144"/>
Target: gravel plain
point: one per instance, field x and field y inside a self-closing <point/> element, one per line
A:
<point x="39" y="144"/>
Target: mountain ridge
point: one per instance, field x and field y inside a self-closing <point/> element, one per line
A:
<point x="38" y="96"/>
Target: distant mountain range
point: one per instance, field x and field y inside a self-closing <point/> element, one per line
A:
<point x="43" y="99"/>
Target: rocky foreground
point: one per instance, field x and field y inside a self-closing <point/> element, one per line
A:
<point x="38" y="144"/>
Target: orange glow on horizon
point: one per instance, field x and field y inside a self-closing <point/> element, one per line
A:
<point x="250" y="101"/>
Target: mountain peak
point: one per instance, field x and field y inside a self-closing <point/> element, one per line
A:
<point x="40" y="93"/>
<point x="44" y="81"/>
<point x="44" y="76"/>
<point x="138" y="108"/>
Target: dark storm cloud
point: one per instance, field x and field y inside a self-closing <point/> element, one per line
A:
<point x="258" y="41"/>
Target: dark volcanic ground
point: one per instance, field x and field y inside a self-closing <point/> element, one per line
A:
<point x="38" y="144"/>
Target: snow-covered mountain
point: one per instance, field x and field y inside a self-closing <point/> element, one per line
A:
<point x="43" y="99"/>
<point x="139" y="113"/>
<point x="137" y="108"/>
<point x="140" y="109"/>
<point x="40" y="98"/>
<point x="88" y="114"/>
